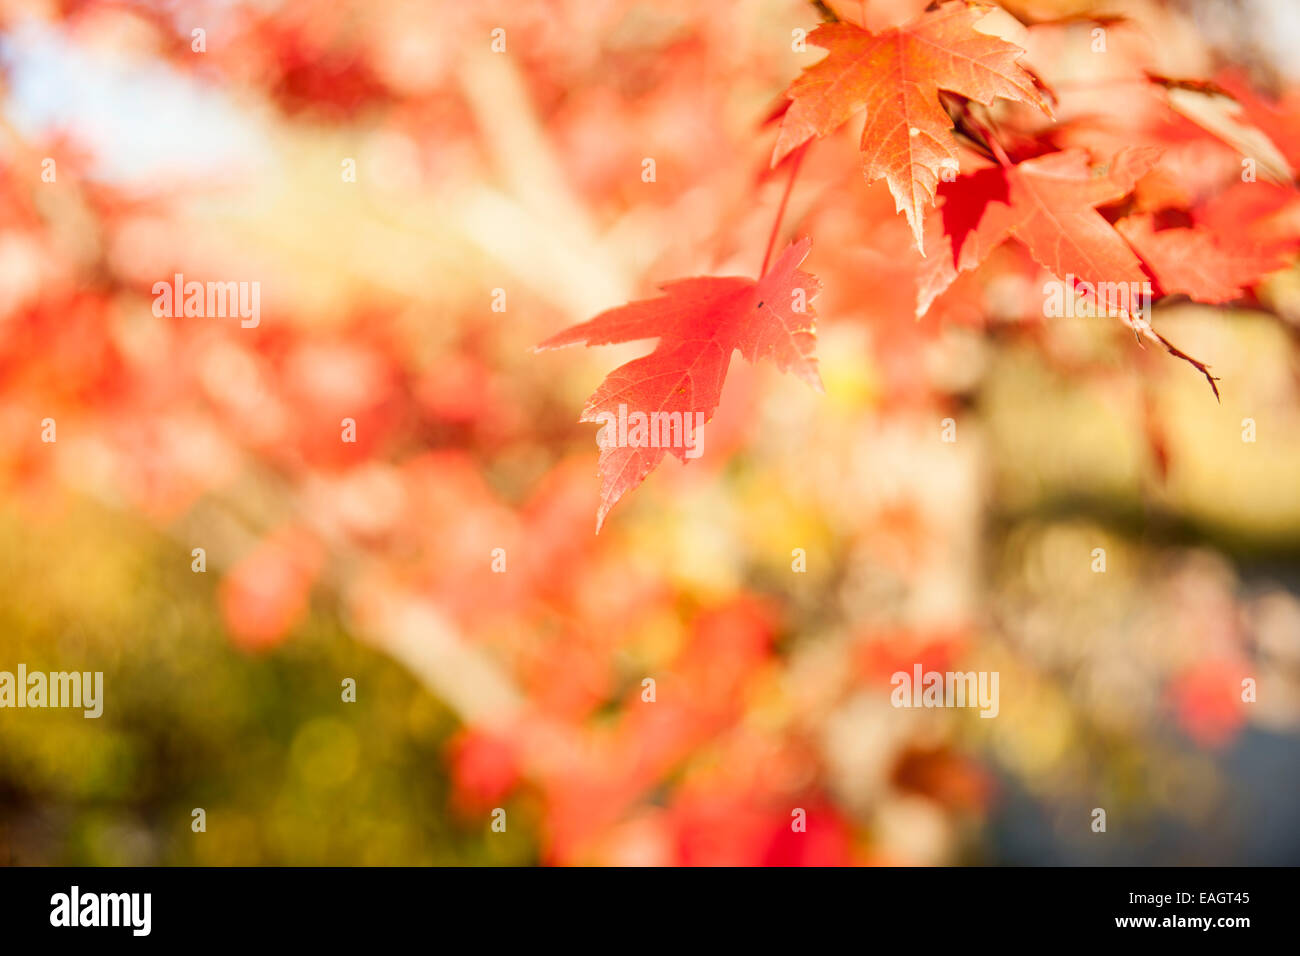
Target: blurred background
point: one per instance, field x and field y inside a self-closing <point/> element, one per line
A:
<point x="520" y="170"/>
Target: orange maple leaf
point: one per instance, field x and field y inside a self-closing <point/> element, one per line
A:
<point x="699" y="322"/>
<point x="896" y="76"/>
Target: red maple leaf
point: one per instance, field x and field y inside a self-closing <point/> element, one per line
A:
<point x="896" y="76"/>
<point x="1279" y="119"/>
<point x="699" y="322"/>
<point x="1198" y="263"/>
<point x="1048" y="203"/>
<point x="1256" y="212"/>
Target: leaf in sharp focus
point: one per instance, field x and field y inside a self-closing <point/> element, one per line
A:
<point x="896" y="76"/>
<point x="699" y="322"/>
<point x="1048" y="203"/>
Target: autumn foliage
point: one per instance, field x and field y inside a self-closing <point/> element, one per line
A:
<point x="929" y="217"/>
<point x="1017" y="182"/>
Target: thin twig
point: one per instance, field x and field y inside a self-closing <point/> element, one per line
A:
<point x="780" y="212"/>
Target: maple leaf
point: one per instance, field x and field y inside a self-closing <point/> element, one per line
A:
<point x="699" y="323"/>
<point x="1197" y="263"/>
<point x="1246" y="124"/>
<point x="1048" y="203"/>
<point x="1279" y="118"/>
<point x="896" y="76"/>
<point x="1258" y="212"/>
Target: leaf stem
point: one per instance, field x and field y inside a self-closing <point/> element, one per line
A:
<point x="780" y="212"/>
<point x="990" y="138"/>
<point x="827" y="14"/>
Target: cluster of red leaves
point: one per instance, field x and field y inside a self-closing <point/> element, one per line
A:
<point x="1102" y="220"/>
<point x="981" y="192"/>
